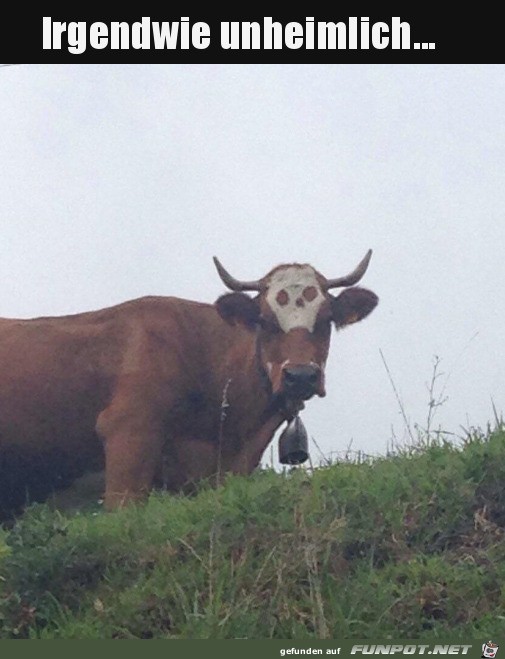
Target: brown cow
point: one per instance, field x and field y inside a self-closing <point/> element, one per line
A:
<point x="203" y="386"/>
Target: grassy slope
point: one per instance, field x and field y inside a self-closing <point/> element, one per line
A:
<point x="410" y="546"/>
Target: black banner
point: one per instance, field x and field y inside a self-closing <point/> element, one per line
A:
<point x="336" y="34"/>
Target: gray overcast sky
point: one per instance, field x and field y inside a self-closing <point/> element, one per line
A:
<point x="118" y="181"/>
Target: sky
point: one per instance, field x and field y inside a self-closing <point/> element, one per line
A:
<point x="118" y="181"/>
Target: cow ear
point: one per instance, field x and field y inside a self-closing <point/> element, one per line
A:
<point x="238" y="308"/>
<point x="352" y="305"/>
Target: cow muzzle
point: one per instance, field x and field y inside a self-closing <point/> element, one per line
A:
<point x="302" y="381"/>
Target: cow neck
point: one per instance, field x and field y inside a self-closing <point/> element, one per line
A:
<point x="265" y="380"/>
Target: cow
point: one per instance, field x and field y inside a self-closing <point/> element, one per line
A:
<point x="162" y="390"/>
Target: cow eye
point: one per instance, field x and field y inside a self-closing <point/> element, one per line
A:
<point x="269" y="325"/>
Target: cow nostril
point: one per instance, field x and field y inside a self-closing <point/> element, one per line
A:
<point x="290" y="376"/>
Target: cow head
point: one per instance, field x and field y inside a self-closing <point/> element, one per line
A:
<point x="292" y="315"/>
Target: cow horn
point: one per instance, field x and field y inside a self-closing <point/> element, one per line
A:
<point x="235" y="284"/>
<point x="353" y="277"/>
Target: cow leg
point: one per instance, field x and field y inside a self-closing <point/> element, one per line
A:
<point x="133" y="447"/>
<point x="188" y="461"/>
<point x="253" y="449"/>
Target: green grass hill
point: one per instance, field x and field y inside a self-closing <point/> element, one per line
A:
<point x="405" y="546"/>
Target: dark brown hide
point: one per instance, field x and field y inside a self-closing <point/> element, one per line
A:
<point x="145" y="377"/>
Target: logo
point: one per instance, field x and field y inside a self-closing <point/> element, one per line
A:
<point x="489" y="650"/>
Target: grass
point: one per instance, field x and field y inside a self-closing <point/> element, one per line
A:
<point x="407" y="546"/>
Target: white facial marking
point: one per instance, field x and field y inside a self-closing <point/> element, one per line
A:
<point x="287" y="286"/>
